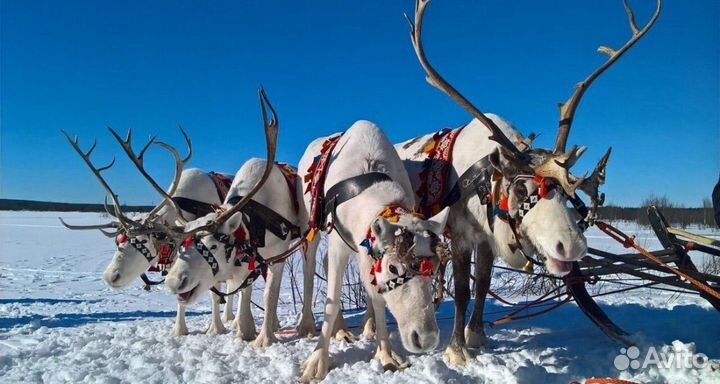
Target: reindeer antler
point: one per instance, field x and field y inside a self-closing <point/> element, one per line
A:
<point x="437" y="81"/>
<point x="138" y="160"/>
<point x="85" y="155"/>
<point x="271" y="133"/>
<point x="567" y="109"/>
<point x="591" y="185"/>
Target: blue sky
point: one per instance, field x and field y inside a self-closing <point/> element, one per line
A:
<point x="84" y="65"/>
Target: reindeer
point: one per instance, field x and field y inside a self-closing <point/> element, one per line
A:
<point x="141" y="240"/>
<point x="226" y="245"/>
<point x="529" y="188"/>
<point x="367" y="194"/>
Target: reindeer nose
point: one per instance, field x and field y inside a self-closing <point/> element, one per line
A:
<point x="112" y="277"/>
<point x="183" y="282"/>
<point x="416" y="340"/>
<point x="560" y="249"/>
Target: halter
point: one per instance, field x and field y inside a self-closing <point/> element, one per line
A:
<point x="206" y="253"/>
<point x="163" y="244"/>
<point x="530" y="201"/>
<point x="392" y="214"/>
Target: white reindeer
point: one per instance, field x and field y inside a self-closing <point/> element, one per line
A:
<point x="140" y="240"/>
<point x="220" y="246"/>
<point x="534" y="185"/>
<point x="399" y="244"/>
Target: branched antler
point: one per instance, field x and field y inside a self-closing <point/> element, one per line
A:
<point x="138" y="161"/>
<point x="437" y="81"/>
<point x="567" y="109"/>
<point x="85" y="155"/>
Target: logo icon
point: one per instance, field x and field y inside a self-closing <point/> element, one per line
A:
<point x="628" y="358"/>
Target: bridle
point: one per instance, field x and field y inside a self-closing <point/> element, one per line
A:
<point x="244" y="251"/>
<point x="194" y="242"/>
<point x="544" y="187"/>
<point x="424" y="266"/>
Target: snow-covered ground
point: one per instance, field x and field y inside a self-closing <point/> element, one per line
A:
<point x="59" y="323"/>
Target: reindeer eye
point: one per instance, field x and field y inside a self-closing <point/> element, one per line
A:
<point x="393" y="269"/>
<point x="214" y="247"/>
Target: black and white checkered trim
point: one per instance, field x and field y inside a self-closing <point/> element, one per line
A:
<point x="530" y="202"/>
<point x="396" y="282"/>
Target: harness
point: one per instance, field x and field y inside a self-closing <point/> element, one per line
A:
<point x="257" y="219"/>
<point x="392" y="214"/>
<point x="530" y="201"/>
<point x="342" y="192"/>
<point x="315" y="178"/>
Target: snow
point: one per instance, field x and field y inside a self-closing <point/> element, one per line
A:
<point x="59" y="323"/>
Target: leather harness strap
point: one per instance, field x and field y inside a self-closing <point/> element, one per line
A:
<point x="196" y="207"/>
<point x="344" y="191"/>
<point x="258" y="218"/>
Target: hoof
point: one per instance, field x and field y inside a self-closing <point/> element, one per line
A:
<point x="457" y="355"/>
<point x="179" y="331"/>
<point x="264" y="340"/>
<point x="391" y="361"/>
<point x="216" y="329"/>
<point x="345" y="335"/>
<point x="306" y="328"/>
<point x="369" y="329"/>
<point x="316" y="367"/>
<point x="475" y="339"/>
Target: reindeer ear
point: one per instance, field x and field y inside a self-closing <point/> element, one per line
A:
<point x="499" y="159"/>
<point x="436" y="224"/>
<point x="234" y="222"/>
<point x="384" y="231"/>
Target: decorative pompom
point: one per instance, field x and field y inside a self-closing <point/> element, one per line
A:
<point x="122" y="238"/>
<point x="504" y="204"/>
<point x="189" y="241"/>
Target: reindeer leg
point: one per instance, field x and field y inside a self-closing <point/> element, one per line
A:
<point x="457" y="352"/>
<point x="317" y="366"/>
<point x="180" y="328"/>
<point x="271" y="296"/>
<point x="475" y="332"/>
<point x="341" y="331"/>
<point x="389" y="359"/>
<point x="369" y="325"/>
<point x="228" y="312"/>
<point x="244" y="322"/>
<point x="216" y="324"/>
<point x="306" y="326"/>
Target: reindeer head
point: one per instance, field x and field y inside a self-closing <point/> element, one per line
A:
<point x="143" y="239"/>
<point x="536" y="184"/>
<point x="208" y="254"/>
<point x="205" y="258"/>
<point x="407" y="251"/>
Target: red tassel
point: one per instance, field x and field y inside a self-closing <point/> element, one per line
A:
<point x="426" y="268"/>
<point x="251" y="264"/>
<point x="189" y="242"/>
<point x="378" y="266"/>
<point x="122" y="238"/>
<point x="543" y="185"/>
<point x="165" y="250"/>
<point x="504" y="205"/>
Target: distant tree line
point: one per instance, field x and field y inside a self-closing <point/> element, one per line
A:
<point x="675" y="214"/>
<point x="29" y="205"/>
